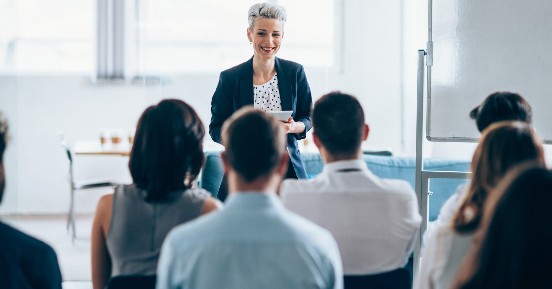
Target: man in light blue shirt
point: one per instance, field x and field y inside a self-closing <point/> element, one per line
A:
<point x="254" y="242"/>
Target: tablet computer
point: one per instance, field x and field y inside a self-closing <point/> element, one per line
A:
<point x="281" y="115"/>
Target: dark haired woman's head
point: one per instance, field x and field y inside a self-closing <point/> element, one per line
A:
<point x="517" y="244"/>
<point x="3" y="143"/>
<point x="503" y="146"/>
<point x="501" y="106"/>
<point x="167" y="153"/>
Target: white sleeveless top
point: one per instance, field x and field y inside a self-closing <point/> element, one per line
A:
<point x="267" y="96"/>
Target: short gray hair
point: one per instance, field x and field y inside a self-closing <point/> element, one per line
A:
<point x="266" y="10"/>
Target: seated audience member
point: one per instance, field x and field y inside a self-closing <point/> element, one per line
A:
<point x="516" y="243"/>
<point x="131" y="224"/>
<point x="254" y="242"/>
<point x="25" y="262"/>
<point x="503" y="146"/>
<point x="374" y="220"/>
<point x="499" y="106"/>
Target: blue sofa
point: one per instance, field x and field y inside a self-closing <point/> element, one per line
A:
<point x="403" y="168"/>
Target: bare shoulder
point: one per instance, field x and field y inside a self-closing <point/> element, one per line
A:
<point x="103" y="213"/>
<point x="211" y="204"/>
<point x="105" y="203"/>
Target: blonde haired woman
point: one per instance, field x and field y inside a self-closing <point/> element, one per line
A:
<point x="266" y="82"/>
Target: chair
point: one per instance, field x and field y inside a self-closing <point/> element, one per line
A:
<point x="396" y="279"/>
<point x="132" y="281"/>
<point x="78" y="185"/>
<point x="212" y="173"/>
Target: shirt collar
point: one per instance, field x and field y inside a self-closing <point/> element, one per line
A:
<point x="252" y="200"/>
<point x="345" y="165"/>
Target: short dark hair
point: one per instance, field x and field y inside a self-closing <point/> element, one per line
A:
<point x="3" y="143"/>
<point x="338" y="121"/>
<point x="167" y="153"/>
<point x="254" y="142"/>
<point x="501" y="106"/>
<point x="515" y="251"/>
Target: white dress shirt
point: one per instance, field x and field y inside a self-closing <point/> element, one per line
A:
<point x="447" y="212"/>
<point x="254" y="242"/>
<point x="373" y="220"/>
<point x="442" y="256"/>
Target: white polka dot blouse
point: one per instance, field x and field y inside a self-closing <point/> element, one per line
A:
<point x="267" y="96"/>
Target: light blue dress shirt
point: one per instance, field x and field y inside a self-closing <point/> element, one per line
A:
<point x="254" y="242"/>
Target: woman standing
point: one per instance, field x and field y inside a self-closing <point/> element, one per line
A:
<point x="266" y="82"/>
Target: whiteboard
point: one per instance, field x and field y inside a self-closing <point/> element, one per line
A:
<point x="484" y="46"/>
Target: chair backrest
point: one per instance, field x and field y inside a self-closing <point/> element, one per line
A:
<point x="69" y="155"/>
<point x="211" y="175"/>
<point x="132" y="281"/>
<point x="396" y="279"/>
<point x="67" y="149"/>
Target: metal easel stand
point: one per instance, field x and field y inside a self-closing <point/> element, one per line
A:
<point x="423" y="177"/>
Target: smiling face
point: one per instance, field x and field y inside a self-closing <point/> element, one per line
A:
<point x="266" y="37"/>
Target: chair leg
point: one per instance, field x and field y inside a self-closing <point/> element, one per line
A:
<point x="69" y="220"/>
<point x="73" y="231"/>
<point x="71" y="215"/>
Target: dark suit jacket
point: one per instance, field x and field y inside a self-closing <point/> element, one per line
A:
<point x="26" y="262"/>
<point x="235" y="90"/>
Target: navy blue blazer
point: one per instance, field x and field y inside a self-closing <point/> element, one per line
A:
<point x="235" y="90"/>
<point x="26" y="262"/>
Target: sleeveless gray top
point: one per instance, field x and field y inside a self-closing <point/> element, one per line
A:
<point x="138" y="228"/>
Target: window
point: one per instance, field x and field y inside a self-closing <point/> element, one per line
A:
<point x="210" y="35"/>
<point x="46" y="36"/>
<point x="151" y="37"/>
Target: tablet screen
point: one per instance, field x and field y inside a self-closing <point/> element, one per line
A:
<point x="281" y="115"/>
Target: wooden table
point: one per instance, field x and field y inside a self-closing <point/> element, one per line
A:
<point x="90" y="147"/>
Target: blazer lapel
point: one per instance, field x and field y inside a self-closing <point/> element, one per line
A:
<point x="246" y="84"/>
<point x="284" y="85"/>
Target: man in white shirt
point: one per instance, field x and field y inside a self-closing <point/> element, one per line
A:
<point x="254" y="242"/>
<point x="374" y="220"/>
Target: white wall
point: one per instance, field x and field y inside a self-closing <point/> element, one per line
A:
<point x="39" y="107"/>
